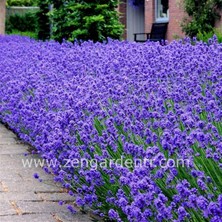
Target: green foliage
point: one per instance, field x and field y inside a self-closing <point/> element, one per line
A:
<point x="32" y="35"/>
<point x="205" y="36"/>
<point x="202" y="16"/>
<point x="22" y="23"/>
<point x="86" y="20"/>
<point x="21" y="2"/>
<point x="25" y="25"/>
<point x="43" y="20"/>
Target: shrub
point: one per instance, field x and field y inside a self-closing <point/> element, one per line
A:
<point x="21" y="2"/>
<point x="43" y="20"/>
<point x="205" y="36"/>
<point x="26" y="22"/>
<point x="86" y="20"/>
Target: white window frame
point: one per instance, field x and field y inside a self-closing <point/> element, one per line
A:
<point x="158" y="19"/>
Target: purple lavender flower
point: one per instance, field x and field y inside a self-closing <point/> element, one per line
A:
<point x="36" y="176"/>
<point x="182" y="214"/>
<point x="71" y="209"/>
<point x="113" y="214"/>
<point x="96" y="103"/>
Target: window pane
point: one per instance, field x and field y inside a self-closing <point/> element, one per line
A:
<point x="162" y="8"/>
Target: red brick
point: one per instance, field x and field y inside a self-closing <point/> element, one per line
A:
<point x="2" y="16"/>
<point x="123" y="15"/>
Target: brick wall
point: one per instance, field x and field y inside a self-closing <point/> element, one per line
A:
<point x="176" y="16"/>
<point x="2" y="16"/>
<point x="123" y="15"/>
<point x="149" y="14"/>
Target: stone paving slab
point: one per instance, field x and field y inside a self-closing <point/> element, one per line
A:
<point x="29" y="218"/>
<point x="7" y="134"/>
<point x="9" y="175"/>
<point x="14" y="186"/>
<point x="10" y="162"/>
<point x="27" y="174"/>
<point x="55" y="197"/>
<point x="8" y="148"/>
<point x="1" y="189"/>
<point x="15" y="174"/>
<point x="67" y="217"/>
<point x="4" y="130"/>
<point x="6" y="208"/>
<point x="12" y="145"/>
<point x="7" y="140"/>
<point x="30" y="207"/>
<point x="23" y="198"/>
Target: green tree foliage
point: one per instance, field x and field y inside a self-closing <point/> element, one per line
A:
<point x="21" y="2"/>
<point x="202" y="15"/>
<point x="43" y="20"/>
<point x="85" y="20"/>
<point x="25" y="22"/>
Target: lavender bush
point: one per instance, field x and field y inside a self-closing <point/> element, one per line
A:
<point x="127" y="101"/>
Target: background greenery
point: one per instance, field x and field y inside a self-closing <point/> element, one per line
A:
<point x="205" y="36"/>
<point x="22" y="24"/>
<point x="25" y="24"/>
<point x="43" y="20"/>
<point x="85" y="20"/>
<point x="21" y="3"/>
<point x="202" y="16"/>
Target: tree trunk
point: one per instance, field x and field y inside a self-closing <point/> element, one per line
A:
<point x="2" y="16"/>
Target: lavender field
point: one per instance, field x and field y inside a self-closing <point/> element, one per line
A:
<point x="135" y="129"/>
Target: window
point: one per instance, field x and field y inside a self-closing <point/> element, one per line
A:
<point x="162" y="10"/>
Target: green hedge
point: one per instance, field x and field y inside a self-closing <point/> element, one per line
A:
<point x="26" y="22"/>
<point x="85" y="20"/>
<point x="22" y="24"/>
<point x="21" y="3"/>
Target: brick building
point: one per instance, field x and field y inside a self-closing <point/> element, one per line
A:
<point x="140" y="18"/>
<point x="2" y="16"/>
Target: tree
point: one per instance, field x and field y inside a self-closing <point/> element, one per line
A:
<point x="21" y="3"/>
<point x="85" y="20"/>
<point x="2" y="16"/>
<point x="43" y="20"/>
<point x="202" y="16"/>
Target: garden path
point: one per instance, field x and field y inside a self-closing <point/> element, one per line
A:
<point x="23" y="198"/>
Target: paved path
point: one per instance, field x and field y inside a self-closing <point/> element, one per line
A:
<point x="23" y="198"/>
